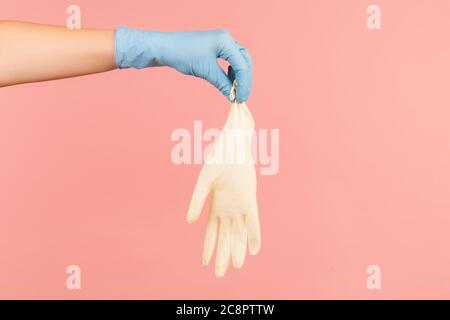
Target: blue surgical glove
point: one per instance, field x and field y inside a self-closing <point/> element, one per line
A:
<point x="192" y="53"/>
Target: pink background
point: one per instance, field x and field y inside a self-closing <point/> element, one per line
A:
<point x="86" y="176"/>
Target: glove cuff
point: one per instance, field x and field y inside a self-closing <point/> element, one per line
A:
<point x="135" y="48"/>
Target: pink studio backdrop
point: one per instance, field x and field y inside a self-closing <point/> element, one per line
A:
<point x="86" y="176"/>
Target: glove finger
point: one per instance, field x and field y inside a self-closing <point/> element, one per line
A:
<point x="210" y="239"/>
<point x="245" y="76"/>
<point x="247" y="57"/>
<point x="248" y="60"/>
<point x="218" y="78"/>
<point x="238" y="242"/>
<point x="242" y="71"/>
<point x="254" y="232"/>
<point x="223" y="248"/>
<point x="199" y="195"/>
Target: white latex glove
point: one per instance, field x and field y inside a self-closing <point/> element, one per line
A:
<point x="229" y="175"/>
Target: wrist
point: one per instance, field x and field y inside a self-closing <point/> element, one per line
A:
<point x="138" y="48"/>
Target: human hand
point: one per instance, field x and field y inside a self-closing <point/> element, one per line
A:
<point x="192" y="53"/>
<point x="233" y="215"/>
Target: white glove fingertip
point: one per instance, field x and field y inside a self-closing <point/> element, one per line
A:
<point x="191" y="217"/>
<point x="254" y="245"/>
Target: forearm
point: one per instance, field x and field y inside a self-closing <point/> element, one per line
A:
<point x="34" y="52"/>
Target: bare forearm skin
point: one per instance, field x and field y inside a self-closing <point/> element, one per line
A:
<point x="34" y="52"/>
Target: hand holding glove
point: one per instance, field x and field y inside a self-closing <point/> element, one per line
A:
<point x="192" y="53"/>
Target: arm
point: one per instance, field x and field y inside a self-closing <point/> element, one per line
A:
<point x="33" y="52"/>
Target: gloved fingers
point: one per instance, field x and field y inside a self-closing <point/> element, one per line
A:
<point x="238" y="242"/>
<point x="223" y="247"/>
<point x="243" y="71"/>
<point x="199" y="195"/>
<point x="254" y="232"/>
<point x="247" y="57"/>
<point x="248" y="74"/>
<point x="210" y="238"/>
<point x="218" y="78"/>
